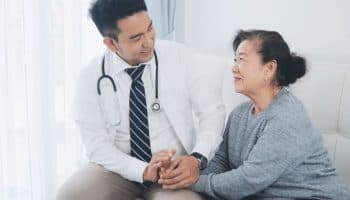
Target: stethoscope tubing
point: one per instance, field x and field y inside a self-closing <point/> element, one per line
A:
<point x="155" y="105"/>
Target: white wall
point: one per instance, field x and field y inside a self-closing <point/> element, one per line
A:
<point x="318" y="29"/>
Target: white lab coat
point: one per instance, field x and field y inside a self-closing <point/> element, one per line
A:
<point x="192" y="88"/>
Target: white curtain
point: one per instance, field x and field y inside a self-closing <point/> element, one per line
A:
<point x="43" y="45"/>
<point x="163" y="16"/>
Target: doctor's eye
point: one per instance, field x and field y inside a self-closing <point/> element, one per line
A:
<point x="136" y="39"/>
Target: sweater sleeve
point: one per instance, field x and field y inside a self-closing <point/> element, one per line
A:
<point x="277" y="149"/>
<point x="219" y="163"/>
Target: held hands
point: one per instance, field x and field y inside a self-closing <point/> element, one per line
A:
<point x="181" y="173"/>
<point x="158" y="160"/>
<point x="174" y="174"/>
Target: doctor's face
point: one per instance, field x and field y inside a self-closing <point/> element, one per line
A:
<point x="136" y="38"/>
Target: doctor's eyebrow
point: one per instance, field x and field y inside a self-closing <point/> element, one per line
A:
<point x="140" y="34"/>
<point x="241" y="54"/>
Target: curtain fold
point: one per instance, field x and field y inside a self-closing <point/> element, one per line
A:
<point x="40" y="57"/>
<point x="163" y="16"/>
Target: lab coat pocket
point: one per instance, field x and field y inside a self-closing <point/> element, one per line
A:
<point x="120" y="137"/>
<point x="111" y="108"/>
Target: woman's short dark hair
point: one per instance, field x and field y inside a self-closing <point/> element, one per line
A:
<point x="106" y="13"/>
<point x="290" y="66"/>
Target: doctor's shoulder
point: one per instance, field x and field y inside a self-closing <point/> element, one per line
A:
<point x="162" y="44"/>
<point x="85" y="107"/>
<point x="172" y="53"/>
<point x="170" y="49"/>
<point x="90" y="72"/>
<point x="185" y="54"/>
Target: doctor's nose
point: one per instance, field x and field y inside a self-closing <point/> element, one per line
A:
<point x="149" y="40"/>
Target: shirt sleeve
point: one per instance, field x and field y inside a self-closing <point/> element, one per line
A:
<point x="219" y="163"/>
<point x="91" y="122"/>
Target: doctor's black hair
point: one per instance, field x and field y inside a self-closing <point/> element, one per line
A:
<point x="290" y="66"/>
<point x="106" y="13"/>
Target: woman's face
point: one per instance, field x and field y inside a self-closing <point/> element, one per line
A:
<point x="248" y="69"/>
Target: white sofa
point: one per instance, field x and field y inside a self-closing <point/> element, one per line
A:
<point x="325" y="91"/>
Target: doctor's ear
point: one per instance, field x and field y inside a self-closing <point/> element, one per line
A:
<point x="111" y="44"/>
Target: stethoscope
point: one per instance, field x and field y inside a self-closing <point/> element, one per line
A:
<point x="155" y="106"/>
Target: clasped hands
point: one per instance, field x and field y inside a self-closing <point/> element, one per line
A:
<point x="180" y="172"/>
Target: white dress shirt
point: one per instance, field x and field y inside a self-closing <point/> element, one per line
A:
<point x="161" y="133"/>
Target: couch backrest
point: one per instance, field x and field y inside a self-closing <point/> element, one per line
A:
<point x="325" y="91"/>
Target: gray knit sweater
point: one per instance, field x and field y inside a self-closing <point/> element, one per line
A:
<point x="277" y="154"/>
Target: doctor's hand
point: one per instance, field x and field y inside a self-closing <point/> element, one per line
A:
<point x="182" y="173"/>
<point x="158" y="160"/>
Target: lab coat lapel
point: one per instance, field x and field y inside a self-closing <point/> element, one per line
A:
<point x="172" y="101"/>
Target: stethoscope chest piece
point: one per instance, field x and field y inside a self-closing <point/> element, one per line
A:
<point x="156" y="106"/>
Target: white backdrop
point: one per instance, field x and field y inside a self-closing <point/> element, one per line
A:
<point x="318" y="29"/>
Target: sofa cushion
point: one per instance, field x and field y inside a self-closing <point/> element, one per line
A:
<point x="342" y="158"/>
<point x="344" y="115"/>
<point x="320" y="91"/>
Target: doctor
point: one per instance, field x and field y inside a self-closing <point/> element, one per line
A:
<point x="134" y="107"/>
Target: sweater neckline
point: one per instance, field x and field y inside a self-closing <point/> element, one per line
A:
<point x="270" y="107"/>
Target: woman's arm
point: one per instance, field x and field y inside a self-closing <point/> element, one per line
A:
<point x="219" y="163"/>
<point x="275" y="151"/>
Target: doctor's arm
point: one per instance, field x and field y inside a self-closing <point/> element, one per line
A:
<point x="205" y="86"/>
<point x="218" y="164"/>
<point x="101" y="150"/>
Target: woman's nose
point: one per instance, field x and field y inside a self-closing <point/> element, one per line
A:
<point x="234" y="68"/>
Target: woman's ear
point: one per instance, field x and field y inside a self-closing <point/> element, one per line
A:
<point x="111" y="44"/>
<point x="271" y="68"/>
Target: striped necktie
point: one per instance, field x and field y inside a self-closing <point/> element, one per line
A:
<point x="139" y="132"/>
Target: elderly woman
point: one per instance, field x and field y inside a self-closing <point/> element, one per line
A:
<point x="270" y="148"/>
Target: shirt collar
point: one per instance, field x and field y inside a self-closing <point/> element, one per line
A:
<point x="117" y="64"/>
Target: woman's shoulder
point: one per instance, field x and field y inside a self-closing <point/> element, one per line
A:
<point x="287" y="105"/>
<point x="288" y="113"/>
<point x="241" y="109"/>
